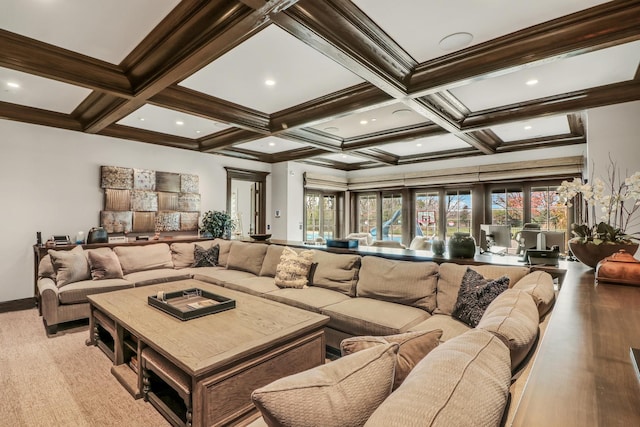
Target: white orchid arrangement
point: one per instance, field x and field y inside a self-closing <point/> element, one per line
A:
<point x="618" y="201"/>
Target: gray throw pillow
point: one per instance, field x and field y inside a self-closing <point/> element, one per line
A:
<point x="475" y="295"/>
<point x="104" y="265"/>
<point x="206" y="257"/>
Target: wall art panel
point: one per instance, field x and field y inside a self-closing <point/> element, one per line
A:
<point x="189" y="183"/>
<point x="117" y="177"/>
<point x="116" y="222"/>
<point x="117" y="200"/>
<point x="144" y="179"/>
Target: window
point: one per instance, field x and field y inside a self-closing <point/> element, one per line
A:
<point x="391" y="218"/>
<point x="320" y="215"/>
<point x="427" y="210"/>
<point x="367" y="212"/>
<point x="546" y="209"/>
<point x="458" y="211"/>
<point x="507" y="207"/>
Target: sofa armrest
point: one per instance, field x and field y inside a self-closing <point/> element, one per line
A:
<point x="49" y="301"/>
<point x="539" y="284"/>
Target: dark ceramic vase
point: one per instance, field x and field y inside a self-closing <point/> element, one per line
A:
<point x="437" y="246"/>
<point x="462" y="245"/>
<point x="590" y="254"/>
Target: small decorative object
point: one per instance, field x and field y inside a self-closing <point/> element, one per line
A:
<point x="621" y="268"/>
<point x="342" y="243"/>
<point x="437" y="245"/>
<point x="260" y="237"/>
<point x="618" y="199"/>
<point x="217" y="224"/>
<point x="97" y="235"/>
<point x="462" y="245"/>
<point x="190" y="303"/>
<point x="80" y="238"/>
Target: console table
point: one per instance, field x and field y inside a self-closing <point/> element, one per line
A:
<point x="583" y="375"/>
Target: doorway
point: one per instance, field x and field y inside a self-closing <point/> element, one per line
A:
<point x="247" y="201"/>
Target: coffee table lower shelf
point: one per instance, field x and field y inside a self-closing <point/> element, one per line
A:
<point x="128" y="378"/>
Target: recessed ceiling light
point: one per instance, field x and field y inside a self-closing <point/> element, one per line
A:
<point x="270" y="82"/>
<point x="272" y="144"/>
<point x="197" y="131"/>
<point x="532" y="82"/>
<point x="527" y="127"/>
<point x="13" y="85"/>
<point x="344" y="156"/>
<point x="179" y="122"/>
<point x="141" y="119"/>
<point x="401" y="112"/>
<point x="418" y="145"/>
<point x="331" y="129"/>
<point x="373" y="119"/>
<point x="456" y="41"/>
<point x="363" y="122"/>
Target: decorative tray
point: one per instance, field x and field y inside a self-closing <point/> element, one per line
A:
<point x="190" y="303"/>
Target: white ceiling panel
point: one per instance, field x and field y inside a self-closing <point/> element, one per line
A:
<point x="534" y="128"/>
<point x="484" y="19"/>
<point x="593" y="69"/>
<point x="172" y="122"/>
<point x="300" y="73"/>
<point x="270" y="145"/>
<point x="107" y="30"/>
<point x="33" y="91"/>
<point x="372" y="121"/>
<point x="430" y="144"/>
<point x="342" y="158"/>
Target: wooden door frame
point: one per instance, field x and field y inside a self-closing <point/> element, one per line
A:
<point x="252" y="176"/>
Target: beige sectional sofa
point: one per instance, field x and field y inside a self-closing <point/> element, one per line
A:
<point x="362" y="295"/>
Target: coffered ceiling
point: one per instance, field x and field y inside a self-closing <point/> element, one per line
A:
<point x="345" y="84"/>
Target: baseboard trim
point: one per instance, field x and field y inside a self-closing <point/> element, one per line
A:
<point x="16" y="305"/>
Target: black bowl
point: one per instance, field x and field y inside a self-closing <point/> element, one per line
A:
<point x="260" y="236"/>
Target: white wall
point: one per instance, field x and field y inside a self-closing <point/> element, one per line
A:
<point x="50" y="180"/>
<point x="615" y="131"/>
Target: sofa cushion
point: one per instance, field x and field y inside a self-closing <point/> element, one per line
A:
<point x="70" y="266"/>
<point x="104" y="265"/>
<point x="154" y="277"/>
<point x="341" y="393"/>
<point x="338" y="272"/>
<point x="205" y="257"/>
<point x="450" y="278"/>
<point x="475" y="295"/>
<point x="310" y="298"/>
<point x="245" y="256"/>
<point x="256" y="285"/>
<point x="443" y="389"/>
<point x="413" y="347"/>
<point x="225" y="248"/>
<point x="293" y="269"/>
<point x="513" y="317"/>
<point x="367" y="316"/>
<point x="538" y="284"/>
<point x="221" y="276"/>
<point x="45" y="268"/>
<point x="77" y="292"/>
<point x="182" y="253"/>
<point x="449" y="326"/>
<point x="403" y="282"/>
<point x="271" y="260"/>
<point x="142" y="258"/>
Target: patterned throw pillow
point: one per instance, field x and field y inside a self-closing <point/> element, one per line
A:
<point x="475" y="295"/>
<point x="293" y="269"/>
<point x="104" y="265"/>
<point x="206" y="257"/>
<point x="414" y="346"/>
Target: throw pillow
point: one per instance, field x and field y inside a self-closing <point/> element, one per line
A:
<point x="413" y="347"/>
<point x="206" y="257"/>
<point x="104" y="265"/>
<point x="70" y="266"/>
<point x="475" y="295"/>
<point x="293" y="269"/>
<point x="341" y="393"/>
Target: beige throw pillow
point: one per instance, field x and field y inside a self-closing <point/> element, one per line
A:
<point x="413" y="347"/>
<point x="104" y="265"/>
<point x="293" y="269"/>
<point x="341" y="393"/>
<point x="70" y="266"/>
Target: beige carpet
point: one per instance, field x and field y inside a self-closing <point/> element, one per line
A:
<point x="59" y="381"/>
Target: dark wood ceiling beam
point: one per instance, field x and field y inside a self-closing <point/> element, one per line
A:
<point x="542" y="142"/>
<point x="344" y="33"/>
<point x="576" y="124"/>
<point x="142" y="135"/>
<point x="355" y="99"/>
<point x="553" y="105"/>
<point x="313" y="138"/>
<point x="226" y="138"/>
<point x="298" y="154"/>
<point x="199" y="104"/>
<point x="183" y="45"/>
<point x="488" y="137"/>
<point x="24" y="114"/>
<point x="602" y="26"/>
<point x="32" y="56"/>
<point x="248" y="154"/>
<point x="377" y="156"/>
<point x="440" y="155"/>
<point x="407" y="133"/>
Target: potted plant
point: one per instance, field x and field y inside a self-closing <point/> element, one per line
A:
<point x="596" y="238"/>
<point x="217" y="224"/>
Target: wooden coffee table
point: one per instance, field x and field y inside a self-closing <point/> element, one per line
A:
<point x="224" y="356"/>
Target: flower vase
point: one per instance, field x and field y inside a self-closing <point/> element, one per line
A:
<point x="590" y="254"/>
